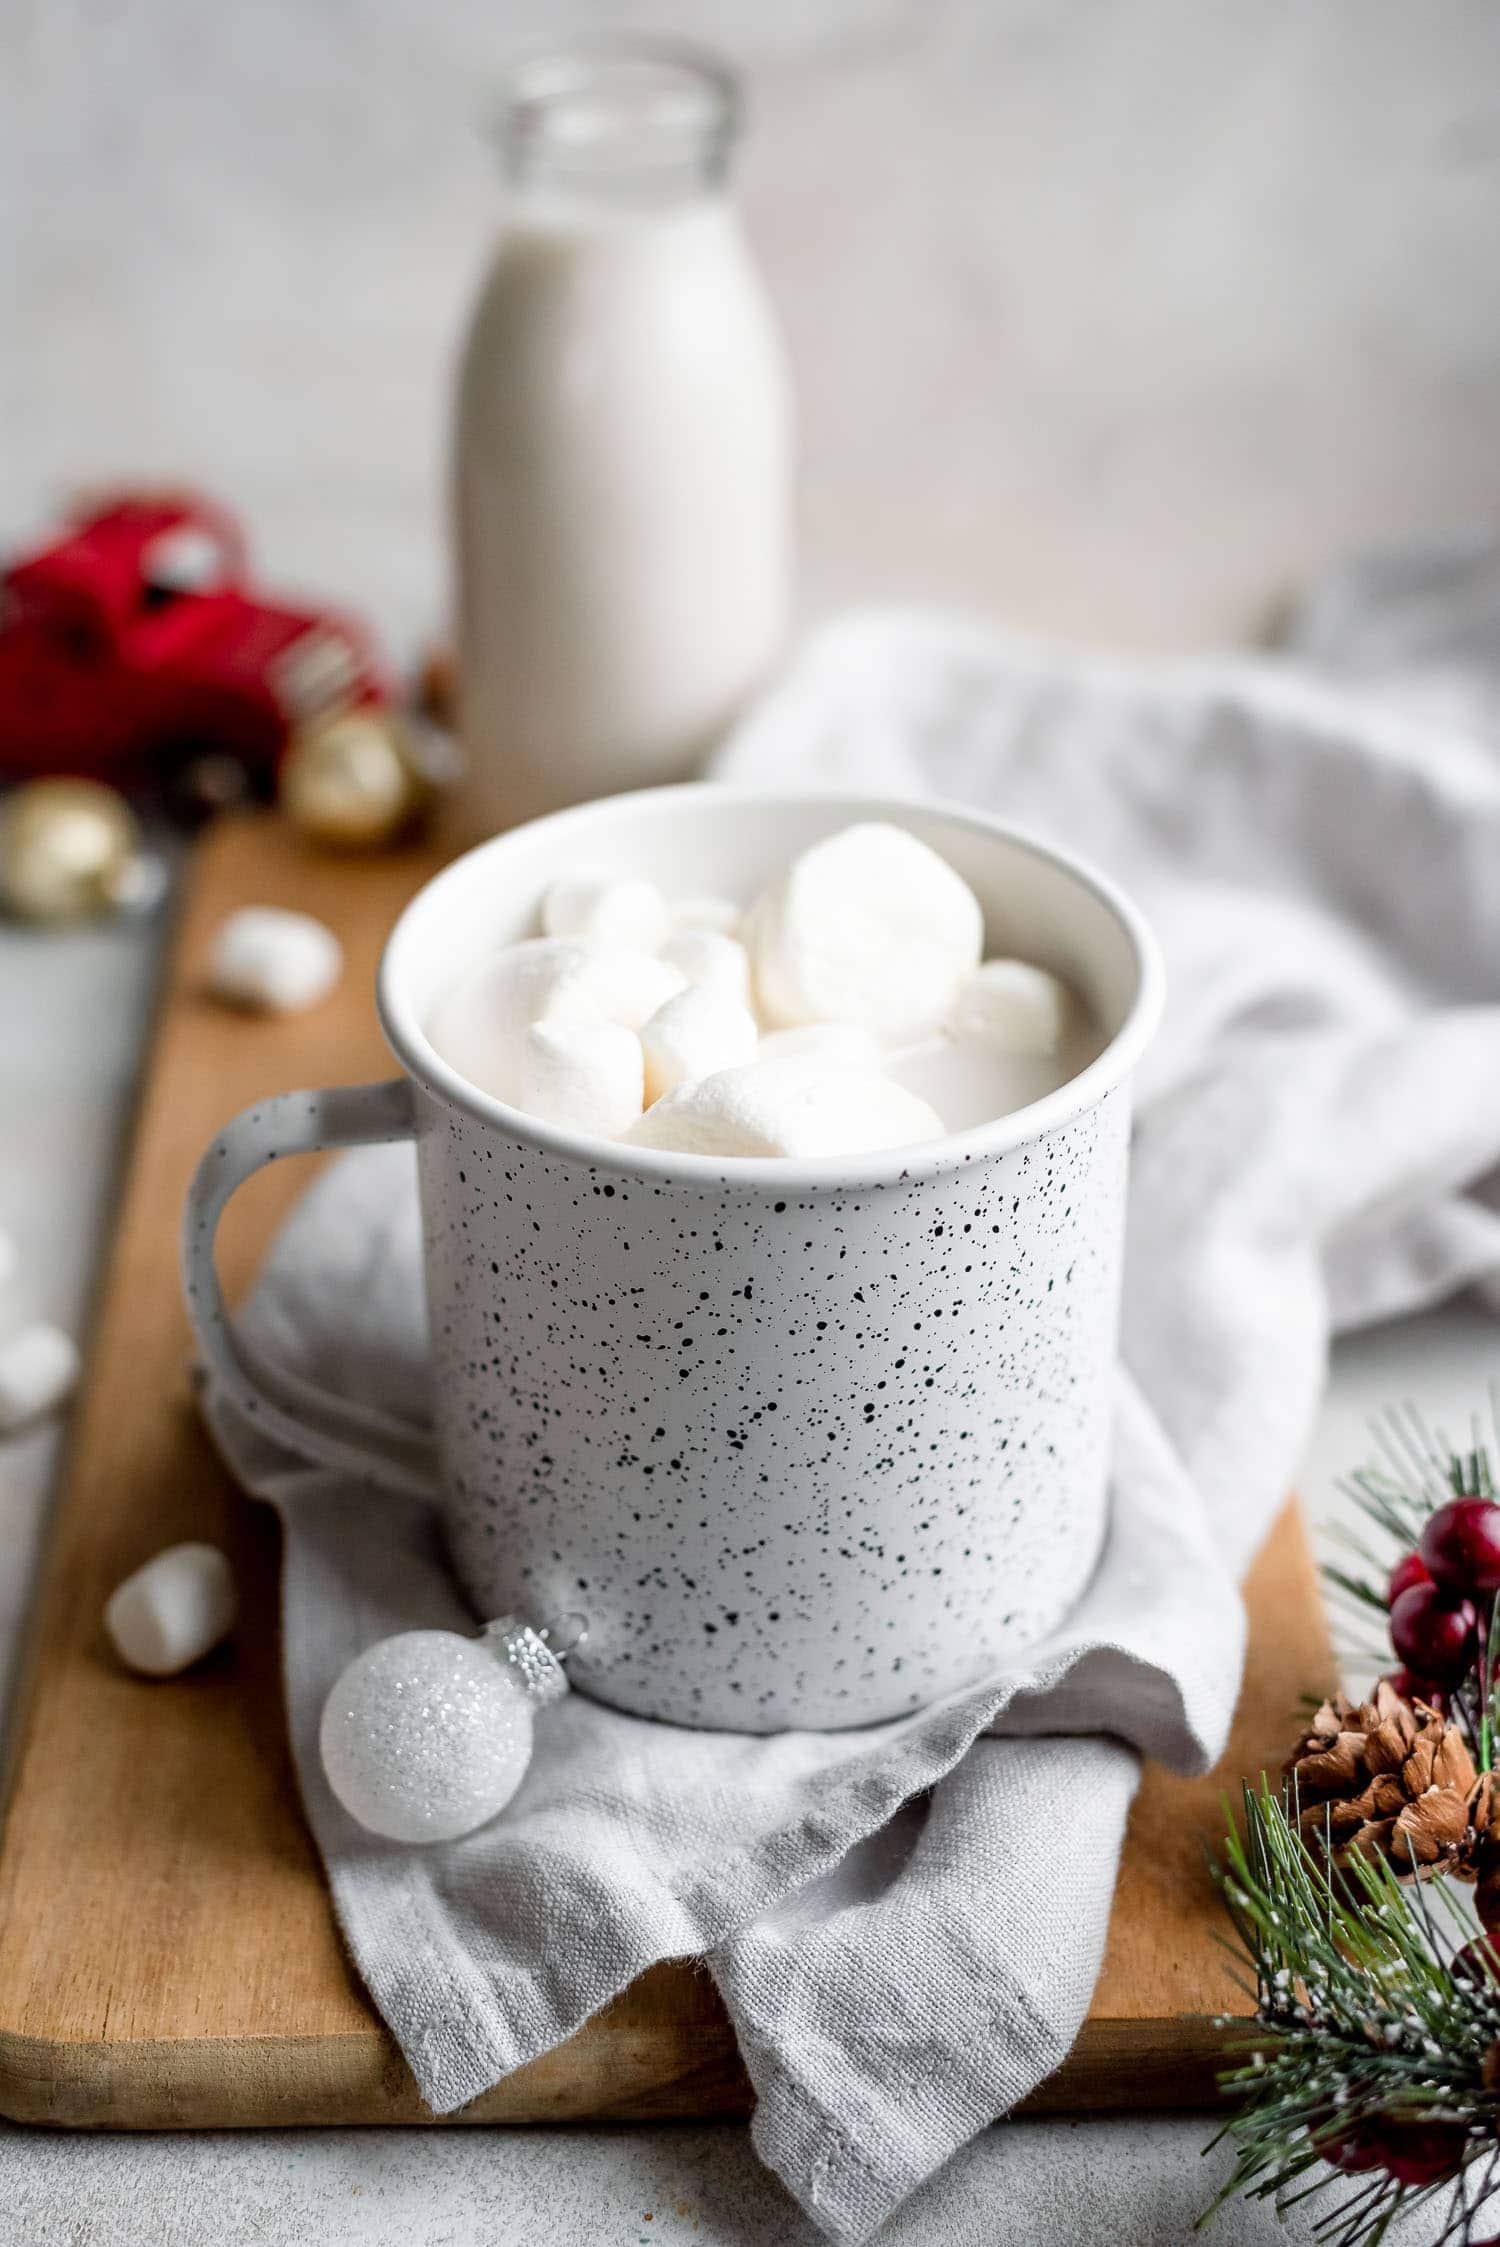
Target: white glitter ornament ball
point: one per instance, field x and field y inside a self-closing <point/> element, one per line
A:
<point x="427" y="1735"/>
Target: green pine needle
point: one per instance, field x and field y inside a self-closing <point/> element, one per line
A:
<point x="1357" y="2020"/>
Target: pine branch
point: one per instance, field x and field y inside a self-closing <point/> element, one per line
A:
<point x="1370" y="2072"/>
<point x="1371" y="2030"/>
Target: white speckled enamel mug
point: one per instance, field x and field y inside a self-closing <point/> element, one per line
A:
<point x="809" y="1443"/>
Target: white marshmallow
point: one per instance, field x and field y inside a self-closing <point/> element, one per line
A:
<point x="713" y="961"/>
<point x="867" y="926"/>
<point x="585" y="1076"/>
<point x="1016" y="1006"/>
<point x="832" y="1045"/>
<point x="275" y="960"/>
<point x="607" y="909"/>
<point x="720" y="914"/>
<point x="628" y="987"/>
<point x="785" y="1108"/>
<point x="693" y="1035"/>
<point x="478" y="1026"/>
<point x="38" y="1369"/>
<point x="172" y="1610"/>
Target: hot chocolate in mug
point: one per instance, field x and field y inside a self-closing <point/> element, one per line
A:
<point x="809" y="1442"/>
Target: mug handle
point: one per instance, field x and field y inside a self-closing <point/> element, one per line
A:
<point x="312" y="1423"/>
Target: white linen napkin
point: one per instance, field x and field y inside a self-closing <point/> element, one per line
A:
<point x="904" y="1929"/>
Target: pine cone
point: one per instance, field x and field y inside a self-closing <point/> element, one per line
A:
<point x="1388" y="1778"/>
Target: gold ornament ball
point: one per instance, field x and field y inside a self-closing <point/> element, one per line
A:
<point x="349" y="781"/>
<point x="68" y="849"/>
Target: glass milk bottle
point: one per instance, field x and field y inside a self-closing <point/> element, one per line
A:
<point x="623" y="457"/>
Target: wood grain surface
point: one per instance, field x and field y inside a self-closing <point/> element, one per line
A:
<point x="167" y="1954"/>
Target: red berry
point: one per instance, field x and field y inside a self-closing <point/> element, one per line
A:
<point x="1422" y="2153"/>
<point x="1414" y="2153"/>
<point x="1352" y="2150"/>
<point x="1478" y="1964"/>
<point x="1410" y="1569"/>
<point x="1433" y="1633"/>
<point x="1461" y="1545"/>
<point x="1418" y="1689"/>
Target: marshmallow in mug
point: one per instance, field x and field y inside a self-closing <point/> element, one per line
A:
<point x="481" y="1025"/>
<point x="1013" y="1005"/>
<point x="711" y="961"/>
<point x="586" y="1075"/>
<point x="697" y="1033"/>
<point x="832" y="1045"/>
<point x="785" y="1108"/>
<point x="602" y="910"/>
<point x="868" y="926"/>
<point x="720" y="914"/>
<point x="823" y="1020"/>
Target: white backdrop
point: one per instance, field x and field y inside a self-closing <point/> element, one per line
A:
<point x="1110" y="315"/>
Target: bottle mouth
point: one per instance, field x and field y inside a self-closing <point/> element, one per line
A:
<point x="619" y="114"/>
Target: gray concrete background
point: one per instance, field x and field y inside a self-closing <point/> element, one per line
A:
<point x="1112" y="316"/>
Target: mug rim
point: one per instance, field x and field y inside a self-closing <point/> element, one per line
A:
<point x="887" y="1166"/>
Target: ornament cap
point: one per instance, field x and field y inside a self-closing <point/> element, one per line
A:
<point x="536" y="1666"/>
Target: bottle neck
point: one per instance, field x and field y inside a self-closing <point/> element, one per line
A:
<point x="618" y="125"/>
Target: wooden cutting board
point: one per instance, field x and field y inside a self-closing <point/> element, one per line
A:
<point x="167" y="1955"/>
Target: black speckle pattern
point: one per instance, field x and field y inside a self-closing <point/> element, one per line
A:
<point x="803" y="1459"/>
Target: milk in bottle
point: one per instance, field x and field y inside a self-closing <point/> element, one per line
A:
<point x="622" y="471"/>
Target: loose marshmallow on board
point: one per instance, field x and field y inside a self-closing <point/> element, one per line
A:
<point x="586" y="1076"/>
<point x="38" y="1371"/>
<point x="867" y="926"/>
<point x="274" y="960"/>
<point x="695" y="1034"/>
<point x="785" y="1108"/>
<point x="172" y="1610"/>
<point x="714" y="961"/>
<point x="1016" y="1006"/>
<point x="607" y="909"/>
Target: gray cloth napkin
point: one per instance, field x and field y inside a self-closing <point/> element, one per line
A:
<point x="905" y="1927"/>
